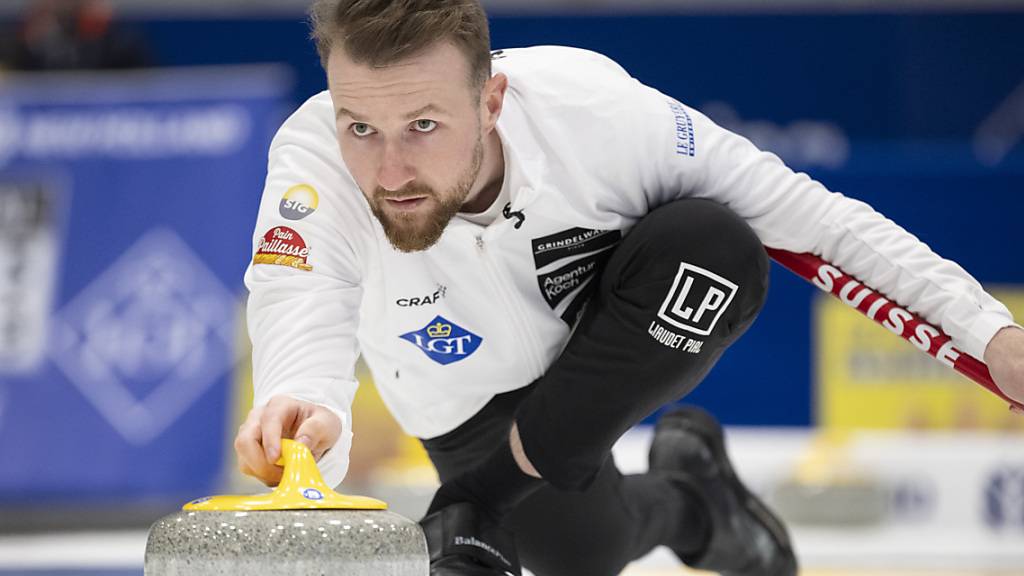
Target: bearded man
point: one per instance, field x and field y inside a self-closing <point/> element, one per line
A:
<point x="533" y="251"/>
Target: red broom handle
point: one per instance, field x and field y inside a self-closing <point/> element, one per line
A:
<point x="896" y="319"/>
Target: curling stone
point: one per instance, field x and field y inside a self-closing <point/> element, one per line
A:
<point x="302" y="528"/>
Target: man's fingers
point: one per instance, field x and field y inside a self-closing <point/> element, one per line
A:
<point x="258" y="443"/>
<point x="252" y="460"/>
<point x="312" y="434"/>
<point x="320" y="431"/>
<point x="276" y="416"/>
<point x="1017" y="410"/>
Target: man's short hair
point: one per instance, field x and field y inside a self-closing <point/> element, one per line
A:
<point x="383" y="32"/>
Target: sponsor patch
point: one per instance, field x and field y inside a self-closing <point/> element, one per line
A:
<point x="423" y="300"/>
<point x="284" y="247"/>
<point x="572" y="242"/>
<point x="684" y="130"/>
<point x="569" y="287"/>
<point x="298" y="202"/>
<point x="443" y="341"/>
<point x="556" y="285"/>
<point x="696" y="300"/>
<point x="312" y="494"/>
<point x="670" y="339"/>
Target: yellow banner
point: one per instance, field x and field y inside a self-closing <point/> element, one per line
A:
<point x="868" y="377"/>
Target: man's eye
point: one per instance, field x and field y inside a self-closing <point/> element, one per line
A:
<point x="425" y="125"/>
<point x="361" y="129"/>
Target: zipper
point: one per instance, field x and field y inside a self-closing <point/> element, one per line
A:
<point x="513" y="304"/>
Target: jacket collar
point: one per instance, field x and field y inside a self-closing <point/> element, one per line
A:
<point x="524" y="158"/>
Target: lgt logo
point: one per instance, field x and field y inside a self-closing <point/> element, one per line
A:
<point x="443" y="341"/>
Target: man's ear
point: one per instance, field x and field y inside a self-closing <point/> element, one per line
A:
<point x="492" y="99"/>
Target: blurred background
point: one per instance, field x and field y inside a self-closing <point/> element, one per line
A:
<point x="133" y="139"/>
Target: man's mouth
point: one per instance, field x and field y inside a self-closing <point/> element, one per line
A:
<point x="405" y="203"/>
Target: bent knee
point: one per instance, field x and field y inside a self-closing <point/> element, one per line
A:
<point x="708" y="256"/>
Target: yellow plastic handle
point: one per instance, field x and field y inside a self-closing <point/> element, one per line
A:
<point x="301" y="488"/>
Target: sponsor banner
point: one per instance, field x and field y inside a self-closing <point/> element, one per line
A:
<point x="881" y="500"/>
<point x="868" y="377"/>
<point x="31" y="227"/>
<point x="119" y="317"/>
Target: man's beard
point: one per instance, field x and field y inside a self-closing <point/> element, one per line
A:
<point x="414" y="232"/>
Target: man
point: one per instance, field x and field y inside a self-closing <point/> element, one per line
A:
<point x="532" y="258"/>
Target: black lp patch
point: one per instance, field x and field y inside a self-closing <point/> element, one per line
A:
<point x="588" y="250"/>
<point x="697" y="299"/>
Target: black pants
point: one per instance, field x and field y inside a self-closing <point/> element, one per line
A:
<point x="683" y="285"/>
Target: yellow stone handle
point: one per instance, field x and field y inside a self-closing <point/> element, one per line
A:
<point x="301" y="488"/>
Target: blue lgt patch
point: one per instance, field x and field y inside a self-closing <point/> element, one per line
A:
<point x="312" y="494"/>
<point x="443" y="341"/>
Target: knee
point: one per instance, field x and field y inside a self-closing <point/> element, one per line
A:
<point x="703" y="251"/>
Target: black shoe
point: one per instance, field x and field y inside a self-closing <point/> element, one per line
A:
<point x="464" y="542"/>
<point x="745" y="539"/>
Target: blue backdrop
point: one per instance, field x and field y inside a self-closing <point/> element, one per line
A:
<point x="126" y="204"/>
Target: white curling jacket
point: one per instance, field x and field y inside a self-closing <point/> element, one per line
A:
<point x="588" y="152"/>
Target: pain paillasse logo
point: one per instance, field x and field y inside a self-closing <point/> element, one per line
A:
<point x="283" y="246"/>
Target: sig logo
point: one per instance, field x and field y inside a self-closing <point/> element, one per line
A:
<point x="697" y="299"/>
<point x="444" y="342"/>
<point x="312" y="494"/>
<point x="1004" y="499"/>
<point x="299" y="201"/>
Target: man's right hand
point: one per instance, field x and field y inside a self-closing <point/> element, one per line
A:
<point x="258" y="443"/>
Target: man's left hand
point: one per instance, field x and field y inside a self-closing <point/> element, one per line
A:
<point x="1005" y="358"/>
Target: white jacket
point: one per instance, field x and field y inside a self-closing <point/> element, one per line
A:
<point x="589" y="151"/>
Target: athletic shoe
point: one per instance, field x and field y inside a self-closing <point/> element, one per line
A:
<point x="746" y="539"/>
<point x="462" y="541"/>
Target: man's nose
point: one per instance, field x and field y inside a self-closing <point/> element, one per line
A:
<point x="394" y="171"/>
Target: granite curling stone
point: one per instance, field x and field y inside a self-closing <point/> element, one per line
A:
<point x="302" y="528"/>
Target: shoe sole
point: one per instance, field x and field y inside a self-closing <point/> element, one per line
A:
<point x="697" y="421"/>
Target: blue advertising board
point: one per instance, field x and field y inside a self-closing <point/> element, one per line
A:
<point x="126" y="210"/>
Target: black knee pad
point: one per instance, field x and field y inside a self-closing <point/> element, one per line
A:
<point x="693" y="263"/>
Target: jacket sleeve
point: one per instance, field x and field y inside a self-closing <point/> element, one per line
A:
<point x="303" y="315"/>
<point x="790" y="211"/>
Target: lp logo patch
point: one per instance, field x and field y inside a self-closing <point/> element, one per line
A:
<point x="697" y="299"/>
<point x="444" y="342"/>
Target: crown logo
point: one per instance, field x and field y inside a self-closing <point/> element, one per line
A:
<point x="439" y="330"/>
